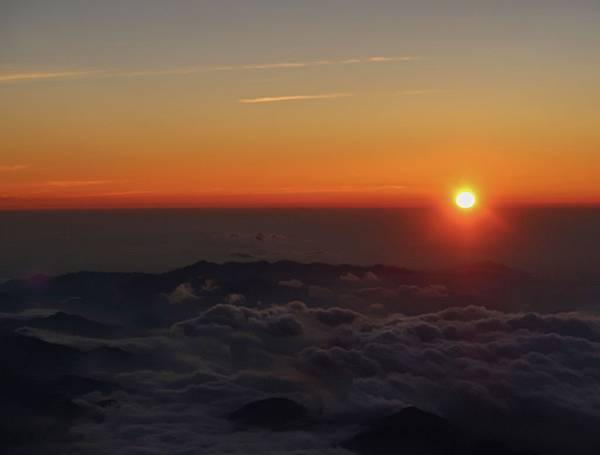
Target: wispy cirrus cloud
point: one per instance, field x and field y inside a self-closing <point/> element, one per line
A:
<point x="123" y="193"/>
<point x="278" y="99"/>
<point x="343" y="189"/>
<point x="75" y="183"/>
<point x="32" y="76"/>
<point x="384" y="59"/>
<point x="13" y="167"/>
<point x="312" y="63"/>
<point x="283" y="65"/>
<point x="45" y="75"/>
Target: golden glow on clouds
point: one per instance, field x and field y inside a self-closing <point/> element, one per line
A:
<point x="41" y="75"/>
<point x="276" y="99"/>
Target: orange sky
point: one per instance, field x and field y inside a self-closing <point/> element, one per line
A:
<point x="251" y="111"/>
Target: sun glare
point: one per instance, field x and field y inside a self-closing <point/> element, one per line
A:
<point x="465" y="199"/>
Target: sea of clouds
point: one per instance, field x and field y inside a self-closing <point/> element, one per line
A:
<point x="529" y="378"/>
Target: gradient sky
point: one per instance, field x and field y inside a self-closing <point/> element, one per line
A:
<point x="279" y="102"/>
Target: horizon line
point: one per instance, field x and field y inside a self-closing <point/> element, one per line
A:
<point x="325" y="206"/>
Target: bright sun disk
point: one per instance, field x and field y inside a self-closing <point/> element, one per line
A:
<point x="465" y="199"/>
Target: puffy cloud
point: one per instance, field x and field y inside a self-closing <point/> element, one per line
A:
<point x="182" y="293"/>
<point x="345" y="366"/>
<point x="210" y="285"/>
<point x="486" y="356"/>
<point x="335" y="316"/>
<point x="275" y="321"/>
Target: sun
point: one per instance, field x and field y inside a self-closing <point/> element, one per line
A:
<point x="465" y="199"/>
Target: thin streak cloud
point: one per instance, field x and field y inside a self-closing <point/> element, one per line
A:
<point x="344" y="189"/>
<point x="183" y="71"/>
<point x="307" y="64"/>
<point x="34" y="76"/>
<point x="278" y="99"/>
<point x="115" y="194"/>
<point x="382" y="59"/>
<point x="13" y="167"/>
<point x="75" y="183"/>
